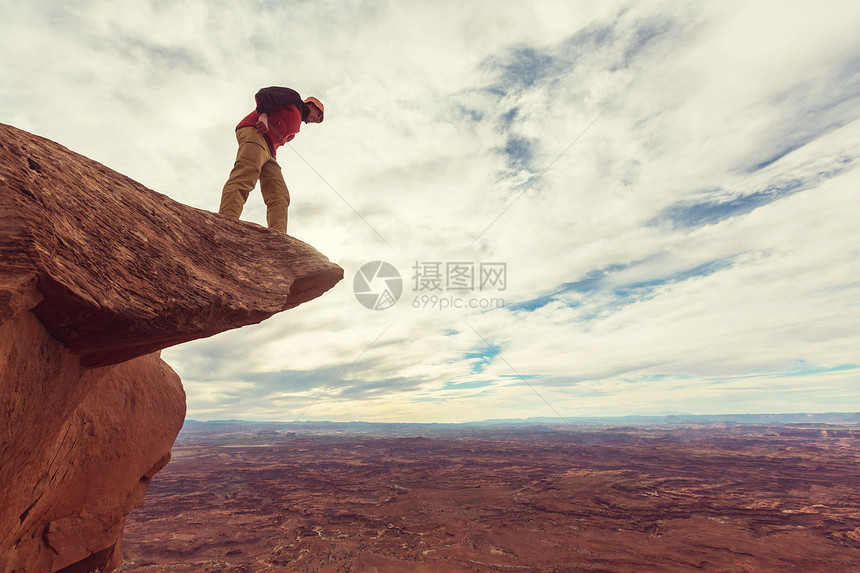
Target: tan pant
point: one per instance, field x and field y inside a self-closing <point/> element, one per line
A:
<point x="254" y="162"/>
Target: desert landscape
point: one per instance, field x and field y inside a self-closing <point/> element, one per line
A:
<point x="330" y="497"/>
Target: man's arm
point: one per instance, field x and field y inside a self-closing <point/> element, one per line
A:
<point x="269" y="99"/>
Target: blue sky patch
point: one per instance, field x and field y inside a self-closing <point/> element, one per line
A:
<point x="710" y="212"/>
<point x="481" y="357"/>
<point x="804" y="369"/>
<point x="472" y="384"/>
<point x="599" y="281"/>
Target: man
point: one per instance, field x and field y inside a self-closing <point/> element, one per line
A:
<point x="277" y="119"/>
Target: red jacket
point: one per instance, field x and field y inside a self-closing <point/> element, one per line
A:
<point x="285" y="110"/>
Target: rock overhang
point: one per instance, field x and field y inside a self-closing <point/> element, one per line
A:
<point x="120" y="271"/>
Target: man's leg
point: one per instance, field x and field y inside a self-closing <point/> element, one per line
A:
<point x="250" y="158"/>
<point x="276" y="195"/>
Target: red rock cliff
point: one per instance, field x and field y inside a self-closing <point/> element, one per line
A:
<point x="97" y="274"/>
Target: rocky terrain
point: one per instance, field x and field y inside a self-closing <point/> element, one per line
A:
<point x="97" y="275"/>
<point x="315" y="498"/>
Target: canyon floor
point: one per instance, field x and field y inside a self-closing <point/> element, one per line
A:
<point x="561" y="499"/>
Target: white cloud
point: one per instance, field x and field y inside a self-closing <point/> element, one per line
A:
<point x="708" y="209"/>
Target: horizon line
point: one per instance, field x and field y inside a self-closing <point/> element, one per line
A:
<point x="547" y="420"/>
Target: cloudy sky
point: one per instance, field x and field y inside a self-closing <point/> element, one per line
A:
<point x="656" y="203"/>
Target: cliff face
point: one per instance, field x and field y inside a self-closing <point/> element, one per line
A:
<point x="97" y="274"/>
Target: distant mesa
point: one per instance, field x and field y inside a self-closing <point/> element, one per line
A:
<point x="97" y="274"/>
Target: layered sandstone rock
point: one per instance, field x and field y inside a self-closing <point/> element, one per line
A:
<point x="97" y="274"/>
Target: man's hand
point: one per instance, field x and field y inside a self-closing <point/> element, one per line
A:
<point x="262" y="124"/>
